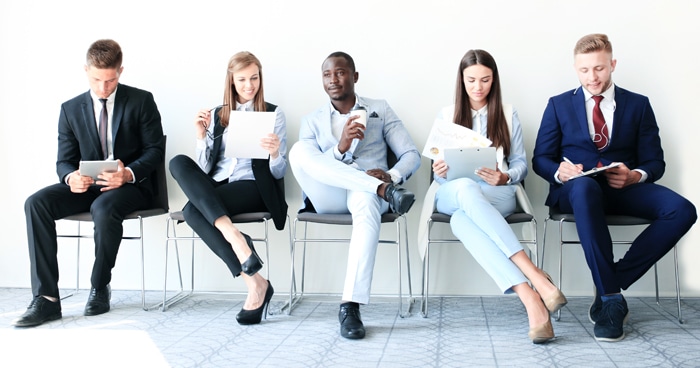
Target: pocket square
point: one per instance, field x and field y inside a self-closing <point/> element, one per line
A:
<point x="373" y="115"/>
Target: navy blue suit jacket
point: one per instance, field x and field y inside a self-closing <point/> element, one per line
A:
<point x="137" y="134"/>
<point x="564" y="132"/>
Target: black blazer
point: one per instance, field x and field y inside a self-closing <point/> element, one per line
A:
<point x="137" y="134"/>
<point x="271" y="189"/>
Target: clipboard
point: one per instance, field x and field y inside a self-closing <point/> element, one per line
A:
<point x="463" y="162"/>
<point x="596" y="170"/>
<point x="245" y="130"/>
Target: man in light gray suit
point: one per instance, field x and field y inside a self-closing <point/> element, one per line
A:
<point x="341" y="166"/>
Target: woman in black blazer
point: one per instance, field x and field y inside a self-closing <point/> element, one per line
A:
<point x="219" y="187"/>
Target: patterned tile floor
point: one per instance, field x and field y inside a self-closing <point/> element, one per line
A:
<point x="459" y="332"/>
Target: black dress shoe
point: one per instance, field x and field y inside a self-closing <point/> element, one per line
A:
<point x="253" y="264"/>
<point x="351" y="326"/>
<point x="98" y="301"/>
<point x="40" y="310"/>
<point x="400" y="200"/>
<point x="254" y="316"/>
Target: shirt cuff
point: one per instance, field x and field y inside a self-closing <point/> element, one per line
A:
<point x="644" y="177"/>
<point x="396" y="177"/>
<point x="556" y="177"/>
<point x="133" y="177"/>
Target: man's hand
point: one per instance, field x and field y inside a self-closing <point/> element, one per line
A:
<point x="621" y="176"/>
<point x="79" y="183"/>
<point x="351" y="130"/>
<point x="380" y="174"/>
<point x="114" y="180"/>
<point x="567" y="170"/>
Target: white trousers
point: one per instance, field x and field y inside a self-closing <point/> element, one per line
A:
<point x="478" y="211"/>
<point x="335" y="187"/>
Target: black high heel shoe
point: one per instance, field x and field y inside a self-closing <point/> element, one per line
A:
<point x="253" y="264"/>
<point x="254" y="316"/>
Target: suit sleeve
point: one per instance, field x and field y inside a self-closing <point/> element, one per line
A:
<point x="650" y="155"/>
<point x="151" y="137"/>
<point x="400" y="142"/>
<point x="546" y="155"/>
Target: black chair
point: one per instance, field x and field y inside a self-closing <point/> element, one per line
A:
<point x="613" y="220"/>
<point x="171" y="236"/>
<point x="306" y="218"/>
<point x="160" y="207"/>
<point x="524" y="214"/>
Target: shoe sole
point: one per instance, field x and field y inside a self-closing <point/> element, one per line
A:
<point x="48" y="319"/>
<point x="611" y="339"/>
<point x="404" y="207"/>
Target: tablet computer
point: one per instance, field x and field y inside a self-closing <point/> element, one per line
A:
<point x="94" y="168"/>
<point x="463" y="162"/>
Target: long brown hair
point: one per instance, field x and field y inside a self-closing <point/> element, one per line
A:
<point x="496" y="126"/>
<point x="240" y="60"/>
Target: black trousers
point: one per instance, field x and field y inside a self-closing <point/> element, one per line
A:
<point x="54" y="202"/>
<point x="209" y="200"/>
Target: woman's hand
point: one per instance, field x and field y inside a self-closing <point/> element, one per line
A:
<point x="271" y="144"/>
<point x="201" y="123"/>
<point x="440" y="168"/>
<point x="492" y="177"/>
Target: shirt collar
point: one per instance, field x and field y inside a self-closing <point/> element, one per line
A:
<point x="483" y="111"/>
<point x="248" y="106"/>
<point x="110" y="98"/>
<point x="608" y="94"/>
<point x="335" y="111"/>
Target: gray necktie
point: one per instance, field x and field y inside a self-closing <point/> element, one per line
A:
<point x="103" y="128"/>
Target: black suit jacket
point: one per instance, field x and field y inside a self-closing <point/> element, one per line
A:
<point x="271" y="189"/>
<point x="137" y="134"/>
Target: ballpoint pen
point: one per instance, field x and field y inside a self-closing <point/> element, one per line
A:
<point x="568" y="161"/>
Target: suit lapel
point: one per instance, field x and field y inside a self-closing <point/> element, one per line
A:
<point x="578" y="101"/>
<point x="620" y="103"/>
<point x="91" y="124"/>
<point x="120" y="102"/>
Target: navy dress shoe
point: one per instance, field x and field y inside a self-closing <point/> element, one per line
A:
<point x="612" y="317"/>
<point x="351" y="326"/>
<point x="596" y="308"/>
<point x="40" y="310"/>
<point x="98" y="301"/>
<point x="400" y="200"/>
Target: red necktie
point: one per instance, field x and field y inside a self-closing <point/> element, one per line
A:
<point x="103" y="128"/>
<point x="600" y="136"/>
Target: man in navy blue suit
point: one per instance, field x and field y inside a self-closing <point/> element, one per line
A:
<point x="110" y="121"/>
<point x="597" y="124"/>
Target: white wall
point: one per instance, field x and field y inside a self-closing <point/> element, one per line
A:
<point x="405" y="53"/>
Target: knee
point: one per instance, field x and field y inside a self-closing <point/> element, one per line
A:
<point x="104" y="216"/>
<point x="177" y="163"/>
<point x="686" y="211"/>
<point x="584" y="188"/>
<point x="294" y="153"/>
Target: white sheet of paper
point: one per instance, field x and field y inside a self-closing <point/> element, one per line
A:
<point x="446" y="134"/>
<point x="245" y="130"/>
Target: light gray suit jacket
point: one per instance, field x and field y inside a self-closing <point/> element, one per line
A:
<point x="384" y="129"/>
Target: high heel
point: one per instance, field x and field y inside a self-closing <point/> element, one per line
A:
<point x="556" y="300"/>
<point x="542" y="333"/>
<point x="253" y="264"/>
<point x="254" y="316"/>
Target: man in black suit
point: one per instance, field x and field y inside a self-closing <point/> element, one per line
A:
<point x="110" y="121"/>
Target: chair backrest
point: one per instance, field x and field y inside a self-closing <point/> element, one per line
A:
<point x="160" y="199"/>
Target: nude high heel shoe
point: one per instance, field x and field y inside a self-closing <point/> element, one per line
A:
<point x="556" y="300"/>
<point x="542" y="333"/>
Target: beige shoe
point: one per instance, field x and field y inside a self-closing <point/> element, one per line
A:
<point x="541" y="334"/>
<point x="556" y="300"/>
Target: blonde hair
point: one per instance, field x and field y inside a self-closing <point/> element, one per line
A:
<point x="593" y="43"/>
<point x="240" y="60"/>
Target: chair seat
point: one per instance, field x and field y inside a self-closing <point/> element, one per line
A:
<point x="339" y="218"/>
<point x="614" y="220"/>
<point x="516" y="218"/>
<point x="240" y="218"/>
